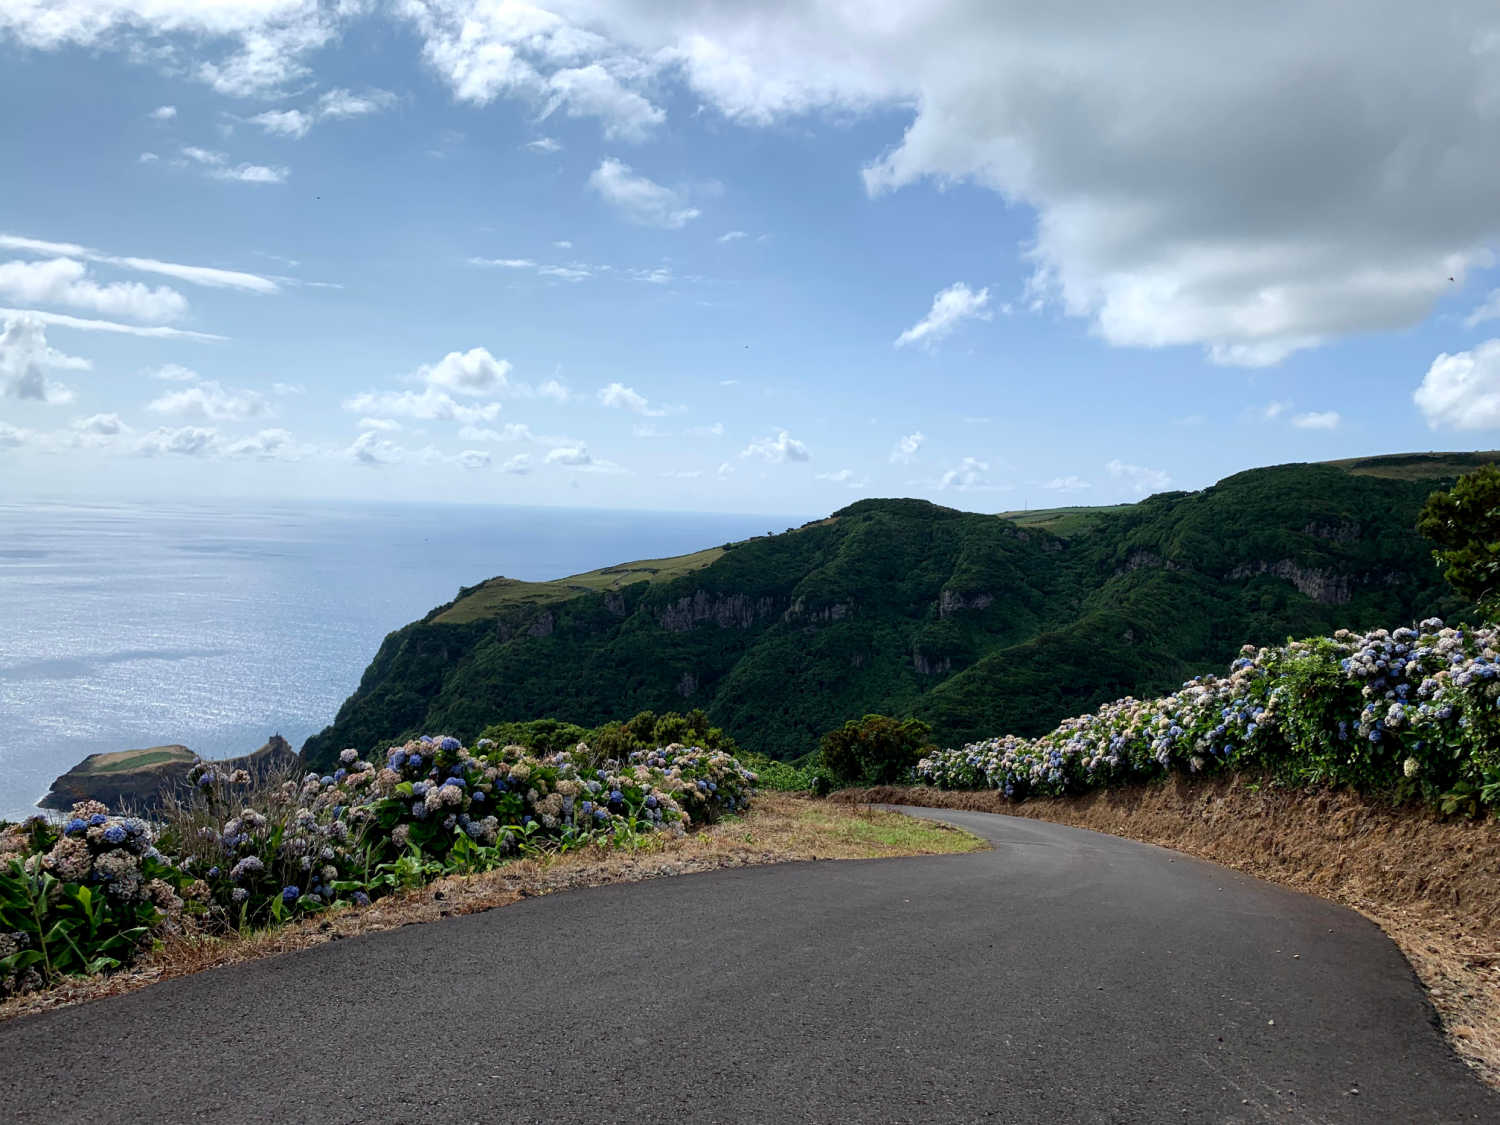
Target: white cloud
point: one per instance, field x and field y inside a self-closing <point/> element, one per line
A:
<point x="195" y="275"/>
<point x="563" y="244"/>
<point x="951" y="306"/>
<point x="543" y="144"/>
<point x="554" y="390"/>
<point x="216" y="165"/>
<point x="372" y="449"/>
<point x="647" y="430"/>
<point x="1489" y="309"/>
<point x="284" y="123"/>
<point x="474" y="372"/>
<point x="906" y="448"/>
<point x="592" y="91"/>
<point x="147" y="158"/>
<point x="63" y="320"/>
<point x="287" y="390"/>
<point x="63" y="281"/>
<point x="339" y="104"/>
<point x="731" y="236"/>
<point x="578" y="457"/>
<point x="427" y="405"/>
<point x="626" y="398"/>
<point x="267" y="445"/>
<point x="1140" y="479"/>
<point x="1462" y="391"/>
<point x="519" y="465"/>
<point x="640" y="200"/>
<point x="504" y="263"/>
<point x="844" y="477"/>
<point x="473" y="459"/>
<point x="1317" y="420"/>
<point x="724" y="470"/>
<point x="102" y="425"/>
<point x="175" y="373"/>
<point x="714" y="430"/>
<point x="1072" y="483"/>
<point x="682" y="474"/>
<point x="658" y="276"/>
<point x="25" y="360"/>
<point x="510" y="431"/>
<point x="566" y="273"/>
<point x="163" y="113"/>
<point x="1274" y="410"/>
<point x="210" y="401"/>
<point x="186" y="441"/>
<point x="13" y="437"/>
<point x="967" y="476"/>
<point x="777" y="450"/>
<point x="385" y="425"/>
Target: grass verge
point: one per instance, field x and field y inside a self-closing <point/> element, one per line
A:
<point x="1431" y="883"/>
<point x="780" y="828"/>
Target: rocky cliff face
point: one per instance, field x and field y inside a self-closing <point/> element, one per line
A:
<point x="728" y="611"/>
<point x="138" y="780"/>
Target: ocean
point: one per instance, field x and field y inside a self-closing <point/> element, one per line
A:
<point x="215" y="627"/>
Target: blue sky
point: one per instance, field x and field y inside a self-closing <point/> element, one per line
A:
<point x="737" y="257"/>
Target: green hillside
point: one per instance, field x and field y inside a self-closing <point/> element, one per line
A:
<point x="976" y="623"/>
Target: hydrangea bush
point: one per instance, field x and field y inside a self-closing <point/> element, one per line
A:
<point x="1413" y="712"/>
<point x="238" y="853"/>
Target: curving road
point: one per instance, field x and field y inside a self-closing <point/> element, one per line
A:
<point x="1064" y="976"/>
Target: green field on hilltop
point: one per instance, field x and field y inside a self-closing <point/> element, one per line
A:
<point x="123" y="761"/>
<point x="498" y="594"/>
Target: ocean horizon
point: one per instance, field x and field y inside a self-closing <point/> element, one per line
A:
<point x="216" y="626"/>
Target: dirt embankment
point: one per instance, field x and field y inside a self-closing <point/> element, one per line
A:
<point x="1432" y="883"/>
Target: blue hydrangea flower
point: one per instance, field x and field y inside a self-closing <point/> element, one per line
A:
<point x="97" y="819"/>
<point x="449" y="743"/>
<point x="76" y="827"/>
<point x="290" y="895"/>
<point x="114" y="834"/>
<point x="615" y="796"/>
<point x="361" y="899"/>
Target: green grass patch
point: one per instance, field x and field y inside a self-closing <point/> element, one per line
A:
<point x="491" y="597"/>
<point x="897" y="832"/>
<point x="127" y="760"/>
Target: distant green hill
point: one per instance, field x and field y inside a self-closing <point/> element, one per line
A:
<point x="976" y="623"/>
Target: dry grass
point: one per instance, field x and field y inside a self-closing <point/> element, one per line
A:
<point x="779" y="829"/>
<point x="1432" y="884"/>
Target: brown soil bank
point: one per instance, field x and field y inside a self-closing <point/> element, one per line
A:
<point x="1432" y="883"/>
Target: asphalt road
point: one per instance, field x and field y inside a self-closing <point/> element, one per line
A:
<point x="1065" y="976"/>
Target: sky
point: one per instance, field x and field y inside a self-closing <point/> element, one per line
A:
<point x="741" y="256"/>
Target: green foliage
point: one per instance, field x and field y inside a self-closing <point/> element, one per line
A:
<point x="966" y="621"/>
<point x="875" y="750"/>
<point x="1464" y="522"/>
<point x="540" y="736"/>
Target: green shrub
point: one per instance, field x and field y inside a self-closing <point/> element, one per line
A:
<point x="875" y="750"/>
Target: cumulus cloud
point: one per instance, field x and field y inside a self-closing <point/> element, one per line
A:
<point x="950" y="307"/>
<point x="1462" y="391"/>
<point x="185" y="441"/>
<point x="284" y="123"/>
<point x="385" y="425"/>
<point x="372" y="449"/>
<point x="777" y="450"/>
<point x="267" y="445"/>
<point x="511" y="431"/>
<point x="175" y="373"/>
<point x="592" y="91"/>
<point x="967" y="476"/>
<point x="64" y="281"/>
<point x="627" y="398"/>
<point x="474" y="372"/>
<point x="428" y="405"/>
<point x="1071" y="483"/>
<point x="1138" y="478"/>
<point x="211" y="401"/>
<point x="845" y="477"/>
<point x="473" y="459"/>
<point x="163" y="113"/>
<point x="518" y="465"/>
<point x="544" y="144"/>
<point x="505" y="263"/>
<point x="216" y="165"/>
<point x="640" y="200"/>
<point x="731" y="236"/>
<point x="1273" y="410"/>
<point x="103" y="425"/>
<point x="577" y="457"/>
<point x="1317" y="420"/>
<point x="13" y="437"/>
<point x="332" y="105"/>
<point x="25" y="359"/>
<point x="906" y="448"/>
